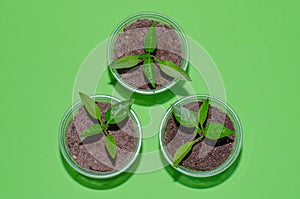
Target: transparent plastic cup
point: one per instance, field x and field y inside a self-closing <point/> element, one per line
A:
<point x="151" y="16"/>
<point x="238" y="136"/>
<point x="68" y="156"/>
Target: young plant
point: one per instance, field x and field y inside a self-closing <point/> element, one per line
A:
<point x="188" y="118"/>
<point x="149" y="60"/>
<point x="115" y="114"/>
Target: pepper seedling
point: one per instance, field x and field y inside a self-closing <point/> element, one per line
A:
<point x="149" y="61"/>
<point x="188" y="118"/>
<point x="115" y="114"/>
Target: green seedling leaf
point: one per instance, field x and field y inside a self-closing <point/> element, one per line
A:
<point x="90" y="105"/>
<point x="144" y="56"/>
<point x="150" y="71"/>
<point x="118" y="112"/>
<point x="173" y="70"/>
<point x="203" y="110"/>
<point x="92" y="130"/>
<point x="125" y="62"/>
<point x="110" y="144"/>
<point x="150" y="40"/>
<point x="185" y="116"/>
<point x="216" y="131"/>
<point x="181" y="152"/>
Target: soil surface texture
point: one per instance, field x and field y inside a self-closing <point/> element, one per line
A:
<point x="205" y="154"/>
<point x="131" y="42"/>
<point x="90" y="152"/>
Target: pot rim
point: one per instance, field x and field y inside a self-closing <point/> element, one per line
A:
<point x="132" y="18"/>
<point x="64" y="150"/>
<point x="234" y="153"/>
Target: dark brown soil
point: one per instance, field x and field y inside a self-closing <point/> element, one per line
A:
<point x="90" y="152"/>
<point x="131" y="42"/>
<point x="206" y="154"/>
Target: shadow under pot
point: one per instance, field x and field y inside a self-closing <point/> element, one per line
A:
<point x="91" y="151"/>
<point x="148" y="53"/>
<point x="200" y="136"/>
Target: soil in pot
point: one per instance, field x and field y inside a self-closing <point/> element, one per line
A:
<point x="131" y="42"/>
<point x="90" y="152"/>
<point x="206" y="154"/>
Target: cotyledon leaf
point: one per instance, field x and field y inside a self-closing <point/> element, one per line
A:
<point x="110" y="144"/>
<point x="181" y="152"/>
<point x="150" y="71"/>
<point x="118" y="112"/>
<point x="203" y="110"/>
<point x="125" y="62"/>
<point x="150" y="39"/>
<point x="90" y="105"/>
<point x="216" y="131"/>
<point x="173" y="70"/>
<point x="185" y="116"/>
<point x="91" y="130"/>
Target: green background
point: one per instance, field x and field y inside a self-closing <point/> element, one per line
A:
<point x="254" y="43"/>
